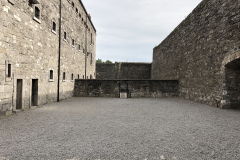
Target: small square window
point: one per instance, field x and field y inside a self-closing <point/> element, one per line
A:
<point x="73" y="42"/>
<point x="73" y="5"/>
<point x="54" y="27"/>
<point x="64" y="76"/>
<point x="9" y="70"/>
<point x="37" y="13"/>
<point x="51" y="76"/>
<point x="65" y="35"/>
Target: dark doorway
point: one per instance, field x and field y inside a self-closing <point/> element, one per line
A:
<point x="19" y="94"/>
<point x="124" y="88"/>
<point x="34" y="92"/>
<point x="232" y="85"/>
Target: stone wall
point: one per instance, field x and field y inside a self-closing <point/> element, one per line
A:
<point x="123" y="70"/>
<point x="133" y="88"/>
<point x="30" y="45"/>
<point x="197" y="51"/>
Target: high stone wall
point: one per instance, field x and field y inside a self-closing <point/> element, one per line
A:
<point x="123" y="70"/>
<point x="196" y="52"/>
<point x="133" y="88"/>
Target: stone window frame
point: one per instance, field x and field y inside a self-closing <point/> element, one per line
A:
<point x="54" y="24"/>
<point x="8" y="78"/>
<point x="64" y="77"/>
<point x="37" y="19"/>
<point x="72" y="77"/>
<point x="51" y="75"/>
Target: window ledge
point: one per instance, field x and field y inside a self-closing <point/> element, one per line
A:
<point x="64" y="80"/>
<point x="54" y="32"/>
<point x="50" y="80"/>
<point x="65" y="40"/>
<point x="8" y="79"/>
<point x="37" y="20"/>
<point x="73" y="46"/>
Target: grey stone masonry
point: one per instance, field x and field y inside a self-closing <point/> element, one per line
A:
<point x="133" y="88"/>
<point x="29" y="51"/>
<point x="123" y="70"/>
<point x="203" y="54"/>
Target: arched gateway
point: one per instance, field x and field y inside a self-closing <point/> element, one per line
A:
<point x="231" y="81"/>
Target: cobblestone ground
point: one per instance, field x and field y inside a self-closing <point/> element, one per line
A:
<point x="111" y="129"/>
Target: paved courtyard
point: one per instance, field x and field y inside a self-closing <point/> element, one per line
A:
<point x="111" y="129"/>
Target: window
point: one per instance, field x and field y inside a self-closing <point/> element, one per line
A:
<point x="79" y="47"/>
<point x="82" y="19"/>
<point x="54" y="27"/>
<point x="51" y="75"/>
<point x="80" y="15"/>
<point x="72" y="77"/>
<point x="73" y="42"/>
<point x="91" y="39"/>
<point x="9" y="74"/>
<point x="37" y="13"/>
<point x="76" y="10"/>
<point x="65" y="36"/>
<point x="73" y="5"/>
<point x="64" y="76"/>
<point x="78" y="76"/>
<point x="91" y="59"/>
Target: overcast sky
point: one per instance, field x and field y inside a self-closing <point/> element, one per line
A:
<point x="128" y="30"/>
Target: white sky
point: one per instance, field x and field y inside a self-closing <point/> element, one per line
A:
<point x="128" y="30"/>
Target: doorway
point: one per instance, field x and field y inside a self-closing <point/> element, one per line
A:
<point x="19" y="94"/>
<point x="232" y="84"/>
<point x="34" y="92"/>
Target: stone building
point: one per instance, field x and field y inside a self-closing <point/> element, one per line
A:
<point x="203" y="53"/>
<point x="30" y="46"/>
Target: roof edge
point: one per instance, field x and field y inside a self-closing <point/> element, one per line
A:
<point x="87" y="14"/>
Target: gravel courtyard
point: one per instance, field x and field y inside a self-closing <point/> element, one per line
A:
<point x="111" y="129"/>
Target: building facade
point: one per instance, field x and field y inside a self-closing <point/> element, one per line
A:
<point x="203" y="53"/>
<point x="32" y="38"/>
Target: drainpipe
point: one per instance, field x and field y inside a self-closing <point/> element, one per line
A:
<point x="86" y="48"/>
<point x="59" y="49"/>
